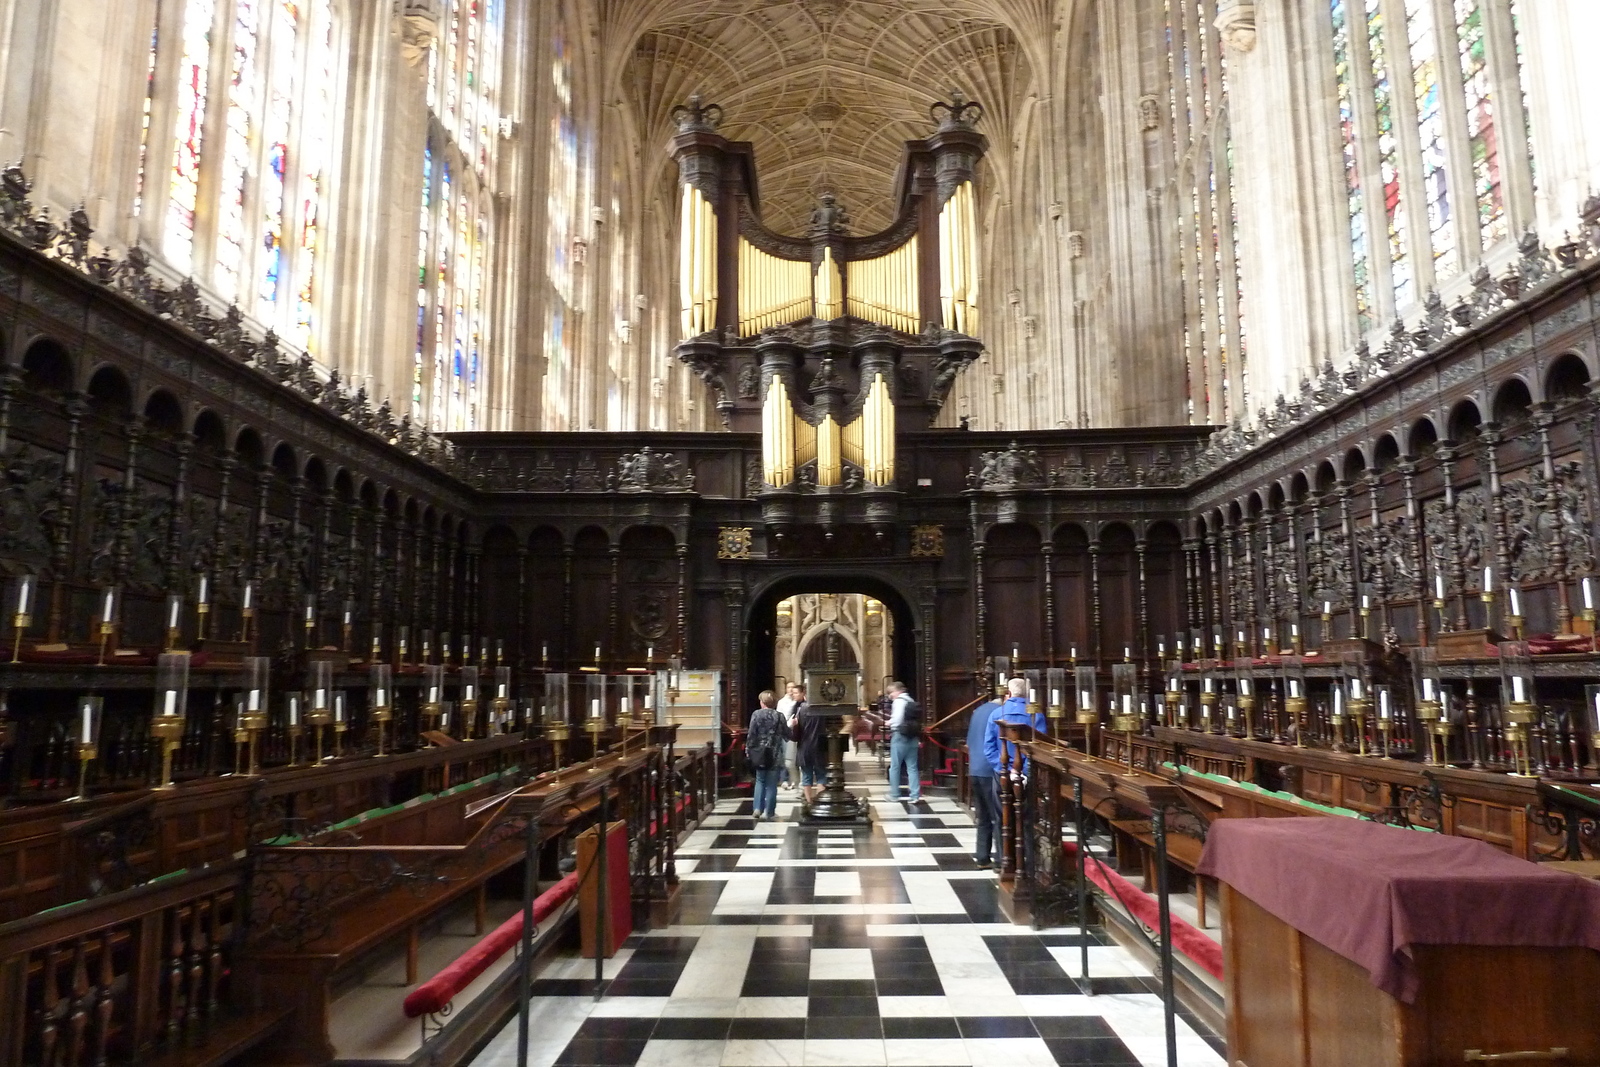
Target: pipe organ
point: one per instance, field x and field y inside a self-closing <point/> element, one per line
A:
<point x="884" y="289"/>
<point x="697" y="263"/>
<point x="823" y="339"/>
<point x="772" y="291"/>
<point x="958" y="261"/>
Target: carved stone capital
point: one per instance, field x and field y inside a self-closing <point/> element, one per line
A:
<point x="417" y="23"/>
<point x="1237" y="25"/>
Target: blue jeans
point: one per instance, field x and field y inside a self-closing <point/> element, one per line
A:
<point x="764" y="797"/>
<point x="903" y="756"/>
<point x="986" y="813"/>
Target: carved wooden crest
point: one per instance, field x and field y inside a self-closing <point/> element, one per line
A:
<point x="927" y="542"/>
<point x="734" y="542"/>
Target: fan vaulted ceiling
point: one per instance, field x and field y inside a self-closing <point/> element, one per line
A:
<point x="827" y="90"/>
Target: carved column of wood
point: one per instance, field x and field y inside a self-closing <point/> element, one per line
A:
<point x="299" y="543"/>
<point x="1490" y="441"/>
<point x="930" y="646"/>
<point x="1588" y="418"/>
<point x="1047" y="547"/>
<point x="1413" y="548"/>
<point x="682" y="551"/>
<point x="63" y="530"/>
<point x="10" y="383"/>
<point x="1140" y="546"/>
<point x="1452" y="525"/>
<point x="172" y="581"/>
<point x="980" y="645"/>
<point x="1251" y="594"/>
<point x="1234" y="582"/>
<point x="1217" y="617"/>
<point x="1294" y="572"/>
<point x="451" y="617"/>
<point x="613" y="637"/>
<point x="381" y="562"/>
<point x="258" y="549"/>
<point x="473" y="611"/>
<point x="734" y="595"/>
<point x="217" y="555"/>
<point x="567" y="551"/>
<point x="418" y="584"/>
<point x="1347" y="526"/>
<point x="1094" y="593"/>
<point x="1269" y="574"/>
<point x="1191" y="586"/>
<point x="125" y="510"/>
<point x="519" y="648"/>
<point x="1380" y="549"/>
<point x="323" y="580"/>
<point x="435" y="621"/>
<point x="1542" y="419"/>
<point x="360" y="572"/>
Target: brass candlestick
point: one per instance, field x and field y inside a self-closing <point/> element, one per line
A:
<point x="296" y="731"/>
<point x="86" y="754"/>
<point x="1208" y="701"/>
<point x="382" y="716"/>
<point x="1520" y="717"/>
<point x="1295" y="708"/>
<point x="1358" y="715"/>
<point x="1428" y="715"/>
<point x="1247" y="707"/>
<point x="168" y="729"/>
<point x="19" y="623"/>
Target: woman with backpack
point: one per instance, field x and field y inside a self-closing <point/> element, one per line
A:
<point x="764" y="748"/>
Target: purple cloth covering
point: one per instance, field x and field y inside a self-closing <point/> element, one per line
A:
<point x="1370" y="892"/>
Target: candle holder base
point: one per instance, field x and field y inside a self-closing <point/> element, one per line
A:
<point x="835" y="805"/>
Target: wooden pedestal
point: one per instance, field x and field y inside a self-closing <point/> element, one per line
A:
<point x="1294" y="1003"/>
<point x="619" y="901"/>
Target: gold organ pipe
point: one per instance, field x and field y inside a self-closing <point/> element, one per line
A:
<point x="851" y="444"/>
<point x="772" y="290"/>
<point x="686" y="261"/>
<point x="828" y="466"/>
<point x="958" y="261"/>
<point x="777" y="436"/>
<point x="883" y="290"/>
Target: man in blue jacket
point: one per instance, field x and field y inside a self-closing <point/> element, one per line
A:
<point x="1015" y="711"/>
<point x="981" y="783"/>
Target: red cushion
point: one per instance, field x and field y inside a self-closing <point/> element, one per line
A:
<point x="1204" y="952"/>
<point x="436" y="992"/>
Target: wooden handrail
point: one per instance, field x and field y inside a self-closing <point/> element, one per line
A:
<point x="960" y="711"/>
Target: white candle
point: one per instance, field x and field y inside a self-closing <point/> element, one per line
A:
<point x="1241" y="637"/>
<point x="294" y="711"/>
<point x="86" y="737"/>
<point x="1230" y="712"/>
<point x="1516" y="602"/>
<point x="24" y="595"/>
<point x="1488" y="579"/>
<point x="1294" y="629"/>
<point x="1517" y="692"/>
<point x="469" y="695"/>
<point x="1597" y="707"/>
<point x="321" y="700"/>
<point x="649" y="653"/>
<point x="1427" y="688"/>
<point x="544" y="651"/>
<point x="1266" y="633"/>
<point x="338" y="707"/>
<point x="1003" y="679"/>
<point x="170" y="707"/>
<point x="311" y="610"/>
<point x="1127" y="704"/>
<point x="1073" y="652"/>
<point x="594" y="708"/>
<point x="1383" y="704"/>
<point x="1127" y="652"/>
<point x="253" y="701"/>
<point x="1172" y="684"/>
<point x="205" y="587"/>
<point x="249" y="592"/>
<point x="1366" y="602"/>
<point x="1055" y="698"/>
<point x="172" y="613"/>
<point x="1438" y="587"/>
<point x="347" y="616"/>
<point x="1161" y="650"/>
<point x="382" y="699"/>
<point x="1083" y="699"/>
<point x="1294" y="688"/>
<point x="1014" y="654"/>
<point x="1033" y="697"/>
<point x="433" y="694"/>
<point x="1327" y="607"/>
<point x="597" y="653"/>
<point x="500" y="693"/>
<point x="444" y="719"/>
<point x="649" y="701"/>
<point x="1244" y="687"/>
<point x="111" y="600"/>
<point x="1206" y="683"/>
<point x="1338" y="701"/>
<point x="1355" y="689"/>
<point x="1588" y="595"/>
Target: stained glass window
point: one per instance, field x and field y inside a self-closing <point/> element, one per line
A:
<point x="194" y="75"/>
<point x="1481" y="131"/>
<point x="144" y="123"/>
<point x="1428" y="87"/>
<point x="1394" y="204"/>
<point x="244" y="108"/>
<point x="1354" y="206"/>
<point x="455" y="223"/>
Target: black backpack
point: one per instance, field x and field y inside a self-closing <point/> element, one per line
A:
<point x="911" y="722"/>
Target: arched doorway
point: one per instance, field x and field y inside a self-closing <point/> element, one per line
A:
<point x="761" y="629"/>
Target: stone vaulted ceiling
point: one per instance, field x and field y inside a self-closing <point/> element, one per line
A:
<point x="827" y="90"/>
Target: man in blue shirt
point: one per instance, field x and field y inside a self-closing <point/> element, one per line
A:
<point x="1014" y="710"/>
<point x="981" y="783"/>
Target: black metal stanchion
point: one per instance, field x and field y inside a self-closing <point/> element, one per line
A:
<point x="530" y="875"/>
<point x="1158" y="830"/>
<point x="1084" y="982"/>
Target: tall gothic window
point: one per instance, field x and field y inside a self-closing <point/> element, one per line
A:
<point x="455" y="217"/>
<point x="562" y="208"/>
<point x="1207" y="223"/>
<point x="1434" y="131"/>
<point x="251" y="146"/>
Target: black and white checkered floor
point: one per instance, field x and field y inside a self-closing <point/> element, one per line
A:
<point x="865" y="948"/>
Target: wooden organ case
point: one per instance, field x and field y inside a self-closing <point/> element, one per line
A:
<point x="829" y="343"/>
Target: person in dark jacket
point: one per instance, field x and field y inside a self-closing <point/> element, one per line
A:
<point x="764" y="748"/>
<point x="812" y="733"/>
<point x="981" y="783"/>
